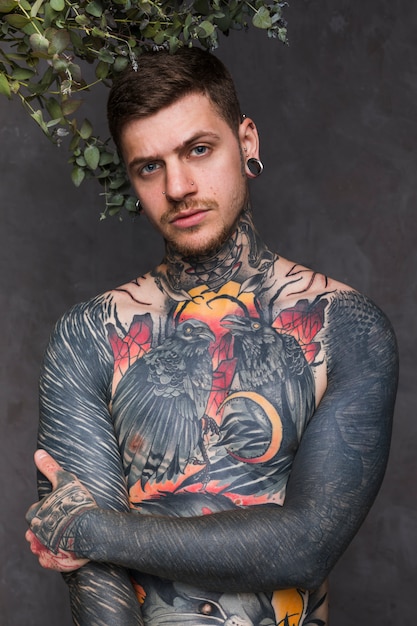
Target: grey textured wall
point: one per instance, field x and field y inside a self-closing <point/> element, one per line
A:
<point x="337" y="113"/>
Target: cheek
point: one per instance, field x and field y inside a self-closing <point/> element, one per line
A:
<point x="226" y="178"/>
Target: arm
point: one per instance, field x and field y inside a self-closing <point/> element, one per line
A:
<point x="335" y="477"/>
<point x="75" y="427"/>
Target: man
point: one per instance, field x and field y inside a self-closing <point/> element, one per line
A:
<point x="226" y="418"/>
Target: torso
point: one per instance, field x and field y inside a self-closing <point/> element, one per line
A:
<point x="212" y="390"/>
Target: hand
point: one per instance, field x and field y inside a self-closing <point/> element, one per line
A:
<point x="53" y="521"/>
<point x="61" y="562"/>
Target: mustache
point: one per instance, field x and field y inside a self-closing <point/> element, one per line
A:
<point x="187" y="205"/>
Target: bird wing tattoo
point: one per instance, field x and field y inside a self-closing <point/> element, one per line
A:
<point x="160" y="402"/>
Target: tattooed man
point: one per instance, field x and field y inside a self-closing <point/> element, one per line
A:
<point x="219" y="427"/>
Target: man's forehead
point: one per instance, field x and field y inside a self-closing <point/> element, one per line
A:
<point x="191" y="116"/>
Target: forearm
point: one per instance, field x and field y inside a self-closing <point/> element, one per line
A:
<point x="233" y="551"/>
<point x="102" y="594"/>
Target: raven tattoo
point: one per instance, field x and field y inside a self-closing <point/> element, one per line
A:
<point x="159" y="405"/>
<point x="273" y="365"/>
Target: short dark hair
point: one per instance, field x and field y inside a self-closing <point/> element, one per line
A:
<point x="162" y="78"/>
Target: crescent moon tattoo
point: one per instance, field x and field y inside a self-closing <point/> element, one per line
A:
<point x="274" y="418"/>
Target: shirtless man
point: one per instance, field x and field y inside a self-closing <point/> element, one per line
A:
<point x="221" y="424"/>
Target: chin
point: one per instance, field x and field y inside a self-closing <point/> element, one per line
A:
<point x="202" y="247"/>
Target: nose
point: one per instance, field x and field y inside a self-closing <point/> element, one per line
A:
<point x="179" y="183"/>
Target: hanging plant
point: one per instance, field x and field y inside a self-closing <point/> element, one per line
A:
<point x="47" y="47"/>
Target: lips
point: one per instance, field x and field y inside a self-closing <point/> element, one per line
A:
<point x="189" y="217"/>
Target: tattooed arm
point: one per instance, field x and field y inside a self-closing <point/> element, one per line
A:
<point x="75" y="427"/>
<point x="335" y="477"/>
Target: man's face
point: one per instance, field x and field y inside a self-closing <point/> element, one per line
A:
<point x="186" y="167"/>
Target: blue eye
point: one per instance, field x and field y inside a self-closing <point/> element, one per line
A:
<point x="200" y="150"/>
<point x="149" y="168"/>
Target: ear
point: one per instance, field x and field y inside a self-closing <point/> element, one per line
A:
<point x="249" y="141"/>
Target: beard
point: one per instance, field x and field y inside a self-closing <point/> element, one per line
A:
<point x="206" y="248"/>
<point x="208" y="245"/>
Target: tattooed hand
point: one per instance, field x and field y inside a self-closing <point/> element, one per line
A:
<point x="53" y="521"/>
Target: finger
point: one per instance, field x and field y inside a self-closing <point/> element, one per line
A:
<point x="31" y="512"/>
<point x="63" y="562"/>
<point x="35" y="545"/>
<point x="47" y="465"/>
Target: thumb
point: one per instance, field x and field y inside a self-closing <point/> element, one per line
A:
<point x="47" y="465"/>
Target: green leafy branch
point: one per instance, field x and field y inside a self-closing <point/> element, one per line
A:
<point x="47" y="47"/>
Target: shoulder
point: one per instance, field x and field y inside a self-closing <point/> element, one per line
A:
<point x="354" y="333"/>
<point x="84" y="318"/>
<point x="357" y="330"/>
<point x="117" y="306"/>
<point x="343" y="306"/>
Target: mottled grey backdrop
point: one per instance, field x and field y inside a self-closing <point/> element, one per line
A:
<point x="337" y="114"/>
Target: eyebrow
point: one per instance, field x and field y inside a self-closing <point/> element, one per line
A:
<point x="185" y="144"/>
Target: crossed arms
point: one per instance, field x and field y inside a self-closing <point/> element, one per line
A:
<point x="334" y="479"/>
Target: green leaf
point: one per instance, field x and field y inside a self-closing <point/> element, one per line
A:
<point x="35" y="8"/>
<point x="116" y="183"/>
<point x="17" y="21"/>
<point x="7" y="5"/>
<point x="120" y="64"/>
<point x="130" y="204"/>
<point x="38" y="117"/>
<point x="57" y="5"/>
<point x="33" y="26"/>
<point x="70" y="106"/>
<point x="106" y="56"/>
<point x="39" y="44"/>
<point x="92" y="156"/>
<point x="75" y="72"/>
<point x="77" y="175"/>
<point x="262" y="19"/>
<point x="59" y="64"/>
<point x="86" y="130"/>
<point x="16" y="57"/>
<point x="14" y="86"/>
<point x="160" y="37"/>
<point x="94" y="8"/>
<point x="4" y="86"/>
<point x="54" y="109"/>
<point x="207" y="27"/>
<point x="59" y="42"/>
<point x="82" y="20"/>
<point x="20" y="73"/>
<point x="97" y="32"/>
<point x="102" y="70"/>
<point x="74" y="143"/>
<point x="105" y="158"/>
<point x="116" y="200"/>
<point x="55" y="122"/>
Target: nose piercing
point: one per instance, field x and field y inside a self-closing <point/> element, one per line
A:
<point x="164" y="193"/>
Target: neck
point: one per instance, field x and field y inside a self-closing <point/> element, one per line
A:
<point x="242" y="257"/>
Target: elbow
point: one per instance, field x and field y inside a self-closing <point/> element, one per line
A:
<point x="312" y="579"/>
<point x="314" y="569"/>
<point x="308" y="568"/>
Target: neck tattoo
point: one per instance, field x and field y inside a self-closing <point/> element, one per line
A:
<point x="244" y="258"/>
